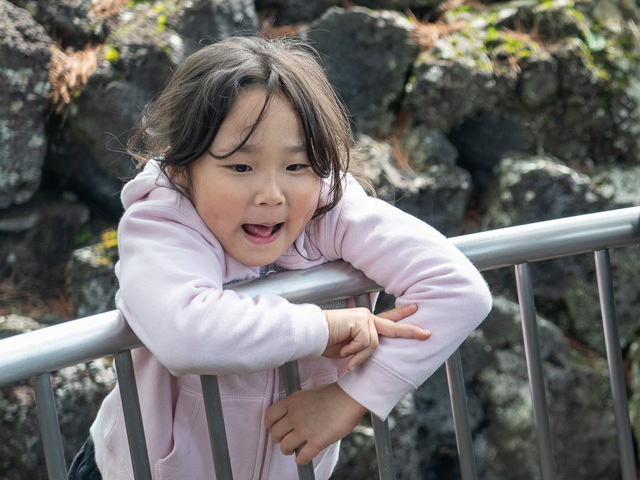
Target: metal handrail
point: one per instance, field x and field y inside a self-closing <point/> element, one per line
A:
<point x="105" y="334"/>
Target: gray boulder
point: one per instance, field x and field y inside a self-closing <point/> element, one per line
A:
<point x="36" y="240"/>
<point x="633" y="359"/>
<point x="73" y="23"/>
<point x="91" y="281"/>
<point x="290" y="12"/>
<point x="451" y="82"/>
<point x="25" y="55"/>
<point x="426" y="146"/>
<point x="401" y="5"/>
<point x="368" y="55"/>
<point x="533" y="189"/>
<point x="438" y="195"/>
<point x="202" y="22"/>
<point x="578" y="396"/>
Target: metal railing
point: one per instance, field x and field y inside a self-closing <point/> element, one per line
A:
<point x="36" y="354"/>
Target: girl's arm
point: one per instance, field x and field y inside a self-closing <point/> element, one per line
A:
<point x="171" y="277"/>
<point x="171" y="274"/>
<point x="419" y="267"/>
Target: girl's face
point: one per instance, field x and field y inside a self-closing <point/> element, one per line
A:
<point x="258" y="200"/>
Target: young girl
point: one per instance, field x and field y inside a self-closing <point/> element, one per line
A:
<point x="247" y="151"/>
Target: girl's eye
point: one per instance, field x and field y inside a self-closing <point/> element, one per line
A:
<point x="297" y="167"/>
<point x="241" y="168"/>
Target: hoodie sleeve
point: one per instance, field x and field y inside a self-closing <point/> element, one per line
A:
<point x="416" y="264"/>
<point x="171" y="273"/>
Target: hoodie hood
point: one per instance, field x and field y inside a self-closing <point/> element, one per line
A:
<point x="148" y="180"/>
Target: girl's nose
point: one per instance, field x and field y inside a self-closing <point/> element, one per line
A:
<point x="269" y="193"/>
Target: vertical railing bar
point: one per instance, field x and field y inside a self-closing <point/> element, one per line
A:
<point x="384" y="452"/>
<point x="616" y="367"/>
<point x="534" y="367"/>
<point x="132" y="415"/>
<point x="381" y="434"/>
<point x="49" y="427"/>
<point x="458" y="396"/>
<point x="217" y="430"/>
<point x="292" y="384"/>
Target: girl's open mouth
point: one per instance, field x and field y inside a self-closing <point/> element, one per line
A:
<point x="258" y="233"/>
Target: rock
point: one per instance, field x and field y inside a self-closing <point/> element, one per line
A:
<point x="633" y="358"/>
<point x="201" y="22"/>
<point x="367" y="55"/>
<point x="401" y="5"/>
<point x="438" y="195"/>
<point x="24" y="77"/>
<point x="73" y="23"/>
<point x="102" y="128"/>
<point x="483" y="141"/>
<point x="426" y="147"/>
<point x="36" y="241"/>
<point x="11" y="325"/>
<point x="290" y="12"/>
<point x="91" y="281"/>
<point x="451" y="82"/>
<point x="71" y="166"/>
<point x="534" y="189"/>
<point x="582" y="110"/>
<point x="553" y="19"/>
<point x="578" y="397"/>
<point x="619" y="184"/>
<point x="538" y="83"/>
<point x="88" y="150"/>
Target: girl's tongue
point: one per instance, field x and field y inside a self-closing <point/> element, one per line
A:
<point x="260" y="230"/>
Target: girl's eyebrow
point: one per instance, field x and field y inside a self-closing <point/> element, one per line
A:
<point x="252" y="148"/>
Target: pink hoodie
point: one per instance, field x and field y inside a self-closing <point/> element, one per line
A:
<point x="171" y="273"/>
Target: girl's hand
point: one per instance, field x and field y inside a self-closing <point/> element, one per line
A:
<point x="354" y="331"/>
<point x="312" y="419"/>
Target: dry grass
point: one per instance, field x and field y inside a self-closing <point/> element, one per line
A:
<point x="426" y="34"/>
<point x="69" y="72"/>
<point x="15" y="300"/>
<point x="269" y="30"/>
<point x="399" y="153"/>
<point x="106" y="8"/>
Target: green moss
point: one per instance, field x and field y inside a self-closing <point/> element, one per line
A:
<point x="462" y="9"/>
<point x="111" y="54"/>
<point x="161" y="23"/>
<point x="502" y="44"/>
